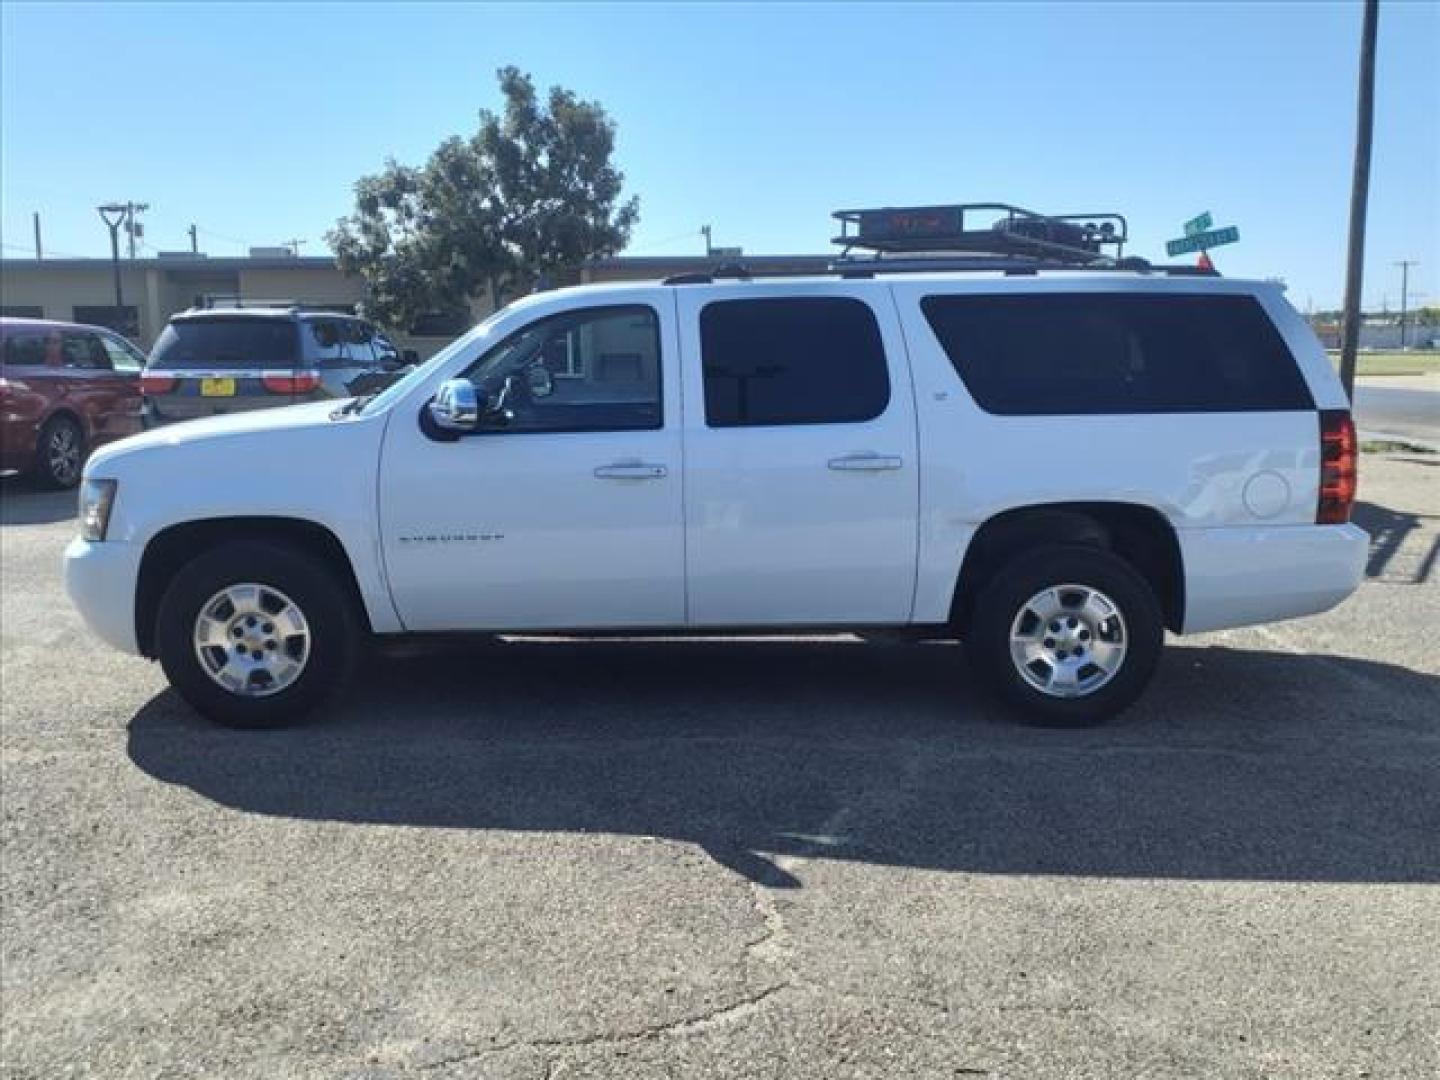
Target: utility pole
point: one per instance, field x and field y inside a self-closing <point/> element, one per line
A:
<point x="1404" y="265"/>
<point x="113" y="214"/>
<point x="132" y="227"/>
<point x="294" y="246"/>
<point x="705" y="232"/>
<point x="39" y="252"/>
<point x="1359" y="197"/>
<point x="194" y="243"/>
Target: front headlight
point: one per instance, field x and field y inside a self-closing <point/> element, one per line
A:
<point x="96" y="499"/>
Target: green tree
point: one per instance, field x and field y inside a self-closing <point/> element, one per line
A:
<point x="531" y="195"/>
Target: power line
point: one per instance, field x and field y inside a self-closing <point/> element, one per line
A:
<point x="51" y="252"/>
<point x="652" y="245"/>
<point x="222" y="236"/>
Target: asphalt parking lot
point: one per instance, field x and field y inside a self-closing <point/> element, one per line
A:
<point x="774" y="858"/>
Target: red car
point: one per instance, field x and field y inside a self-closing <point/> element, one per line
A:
<point x="64" y="389"/>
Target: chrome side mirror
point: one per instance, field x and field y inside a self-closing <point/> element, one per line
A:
<point x="456" y="406"/>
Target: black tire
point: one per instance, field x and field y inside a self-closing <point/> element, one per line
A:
<point x="314" y="587"/>
<point x="988" y="644"/>
<point x="59" y="453"/>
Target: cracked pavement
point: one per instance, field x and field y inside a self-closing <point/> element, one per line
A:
<point x="804" y="857"/>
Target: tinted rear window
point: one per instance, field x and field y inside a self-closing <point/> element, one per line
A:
<point x="55" y="348"/>
<point x="32" y="348"/>
<point x="225" y="343"/>
<point x="1086" y="353"/>
<point x="806" y="360"/>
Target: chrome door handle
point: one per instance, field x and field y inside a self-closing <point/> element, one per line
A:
<point x="630" y="470"/>
<point x="866" y="462"/>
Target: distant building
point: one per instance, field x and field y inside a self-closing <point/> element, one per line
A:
<point x="83" y="290"/>
<point x="1379" y="332"/>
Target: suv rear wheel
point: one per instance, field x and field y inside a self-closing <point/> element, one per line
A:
<point x="1068" y="634"/>
<point x="60" y="453"/>
<point x="255" y="634"/>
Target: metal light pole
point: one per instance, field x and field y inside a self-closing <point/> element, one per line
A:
<point x="1359" y="196"/>
<point x="118" y="210"/>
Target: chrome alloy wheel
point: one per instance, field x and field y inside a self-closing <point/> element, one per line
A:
<point x="252" y="639"/>
<point x="62" y="453"/>
<point x="1068" y="641"/>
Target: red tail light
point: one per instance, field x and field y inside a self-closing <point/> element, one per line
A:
<point x="300" y="382"/>
<point x="156" y="384"/>
<point x="1339" y="461"/>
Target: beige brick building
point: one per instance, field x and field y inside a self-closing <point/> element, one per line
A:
<point x="83" y="290"/>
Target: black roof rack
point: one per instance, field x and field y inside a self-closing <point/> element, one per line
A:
<point x="995" y="264"/>
<point x="969" y="237"/>
<point x="232" y="301"/>
<point x="984" y="228"/>
<point x="979" y="264"/>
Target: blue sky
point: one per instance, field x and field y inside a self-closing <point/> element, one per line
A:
<point x="254" y="121"/>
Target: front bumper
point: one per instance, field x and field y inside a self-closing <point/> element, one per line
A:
<point x="100" y="579"/>
<point x="1242" y="576"/>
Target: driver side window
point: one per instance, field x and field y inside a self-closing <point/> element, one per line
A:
<point x="595" y="369"/>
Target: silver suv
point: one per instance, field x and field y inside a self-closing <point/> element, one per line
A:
<point x="222" y="360"/>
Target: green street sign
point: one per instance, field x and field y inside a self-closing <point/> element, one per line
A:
<point x="1203" y="241"/>
<point x="1199" y="224"/>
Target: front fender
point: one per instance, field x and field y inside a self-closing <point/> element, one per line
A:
<point x="322" y="474"/>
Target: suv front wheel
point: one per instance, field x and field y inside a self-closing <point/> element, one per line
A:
<point x="1068" y="634"/>
<point x="254" y="634"/>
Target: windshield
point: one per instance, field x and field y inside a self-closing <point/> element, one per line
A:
<point x="397" y="390"/>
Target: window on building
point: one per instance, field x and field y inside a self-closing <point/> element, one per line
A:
<point x="801" y="360"/>
<point x="447" y="324"/>
<point x="1087" y="353"/>
<point x="22" y="311"/>
<point x="124" y="321"/>
<point x="611" y="381"/>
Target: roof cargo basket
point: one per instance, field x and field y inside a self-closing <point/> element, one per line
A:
<point x="218" y="301"/>
<point x="230" y="300"/>
<point x="994" y="229"/>
<point x="994" y="238"/>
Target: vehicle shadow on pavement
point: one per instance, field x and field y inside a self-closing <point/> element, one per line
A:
<point x="1237" y="764"/>
<point x="1389" y="530"/>
<point x="21" y="503"/>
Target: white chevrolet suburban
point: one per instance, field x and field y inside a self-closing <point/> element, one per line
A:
<point x="1054" y="466"/>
